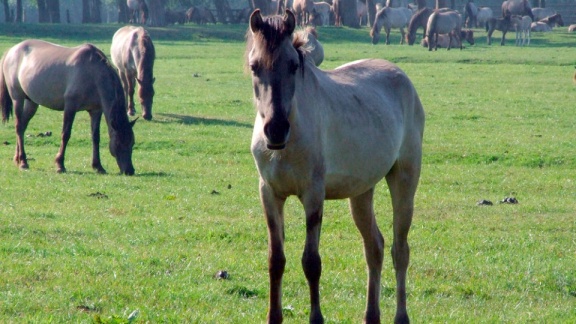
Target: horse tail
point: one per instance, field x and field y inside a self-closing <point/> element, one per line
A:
<point x="5" y="99"/>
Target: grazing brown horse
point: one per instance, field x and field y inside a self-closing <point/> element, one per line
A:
<point x="133" y="55"/>
<point x="443" y="22"/>
<point x="332" y="135"/>
<point x="502" y="24"/>
<point x="67" y="79"/>
<point x="419" y="19"/>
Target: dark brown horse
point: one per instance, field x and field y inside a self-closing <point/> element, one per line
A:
<point x="332" y="135"/>
<point x="553" y="21"/>
<point x="133" y="55"/>
<point x="502" y="24"/>
<point x="419" y="19"/>
<point x="67" y="79"/>
<point x="517" y="7"/>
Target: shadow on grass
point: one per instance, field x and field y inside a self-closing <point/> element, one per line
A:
<point x="190" y="120"/>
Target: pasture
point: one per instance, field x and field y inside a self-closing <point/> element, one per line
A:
<point x="83" y="247"/>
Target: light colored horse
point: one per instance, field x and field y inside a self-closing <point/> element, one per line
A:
<point x="553" y="21"/>
<point x="539" y="26"/>
<point x="303" y="10"/>
<point x="314" y="49"/>
<point x="572" y="28"/>
<point x="541" y="13"/>
<point x="484" y="13"/>
<point x="444" y="39"/>
<point x="443" y="22"/>
<point x="517" y="7"/>
<point x="133" y="55"/>
<point x="390" y="18"/>
<point x="35" y="72"/>
<point x="522" y="25"/>
<point x="332" y="135"/>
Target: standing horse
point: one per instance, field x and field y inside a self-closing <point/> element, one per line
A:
<point x="522" y="26"/>
<point x="332" y="135"/>
<point x="419" y="19"/>
<point x="484" y="13"/>
<point x="517" y="7"/>
<point x="501" y="24"/>
<point x="470" y="14"/>
<point x="133" y="55"/>
<point x="137" y="7"/>
<point x="389" y="18"/>
<point x="67" y="79"/>
<point x="443" y="22"/>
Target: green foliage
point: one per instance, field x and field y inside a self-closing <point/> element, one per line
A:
<point x="83" y="247"/>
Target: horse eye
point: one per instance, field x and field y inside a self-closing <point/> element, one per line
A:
<point x="254" y="67"/>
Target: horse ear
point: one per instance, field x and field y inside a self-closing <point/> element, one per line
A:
<point x="132" y="123"/>
<point x="256" y="21"/>
<point x="289" y="21"/>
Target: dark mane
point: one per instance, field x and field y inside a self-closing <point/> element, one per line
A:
<point x="270" y="39"/>
<point x="147" y="50"/>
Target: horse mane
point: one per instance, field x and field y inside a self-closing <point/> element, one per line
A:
<point x="376" y="26"/>
<point x="146" y="48"/>
<point x="270" y="39"/>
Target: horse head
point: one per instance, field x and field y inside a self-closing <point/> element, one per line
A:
<point x="274" y="62"/>
<point x="377" y="26"/>
<point x="121" y="145"/>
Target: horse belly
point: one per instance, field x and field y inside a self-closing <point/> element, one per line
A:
<point x="46" y="87"/>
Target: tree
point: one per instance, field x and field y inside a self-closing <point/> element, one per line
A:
<point x="43" y="16"/>
<point x="348" y="13"/>
<point x="91" y="11"/>
<point x="157" y="12"/>
<point x="53" y="7"/>
<point x="19" y="11"/>
<point x="264" y="6"/>
<point x="123" y="12"/>
<point x="223" y="11"/>
<point x="7" y="14"/>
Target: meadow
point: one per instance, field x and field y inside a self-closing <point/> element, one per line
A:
<point x="83" y="247"/>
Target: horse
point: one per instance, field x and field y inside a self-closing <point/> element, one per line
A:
<point x="321" y="13"/>
<point x="522" y="25"/>
<point x="470" y="14"/>
<point x="35" y="72"/>
<point x="517" y="7"/>
<point x="133" y="54"/>
<point x="484" y="13"/>
<point x="303" y="10"/>
<point x="361" y="12"/>
<point x="443" y="39"/>
<point x="419" y="19"/>
<point x="335" y="9"/>
<point x="390" y="18"/>
<point x="331" y="135"/>
<point x="200" y="15"/>
<point x="572" y="28"/>
<point x="135" y="7"/>
<point x="501" y="24"/>
<point x="541" y="13"/>
<point x="315" y="50"/>
<point x="553" y="21"/>
<point x="539" y="26"/>
<point x="443" y="22"/>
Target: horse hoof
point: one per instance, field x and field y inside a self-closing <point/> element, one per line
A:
<point x="23" y="167"/>
<point x="61" y="170"/>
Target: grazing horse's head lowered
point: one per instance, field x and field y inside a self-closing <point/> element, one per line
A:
<point x="273" y="74"/>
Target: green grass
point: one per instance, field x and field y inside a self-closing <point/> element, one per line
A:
<point x="83" y="247"/>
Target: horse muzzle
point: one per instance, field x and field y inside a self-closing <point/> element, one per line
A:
<point x="277" y="134"/>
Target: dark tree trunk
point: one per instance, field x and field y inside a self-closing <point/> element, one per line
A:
<point x="441" y="4"/>
<point x="348" y="12"/>
<point x="223" y="11"/>
<point x="86" y="11"/>
<point x="157" y="12"/>
<point x="91" y="11"/>
<point x="7" y="15"/>
<point x="123" y="13"/>
<point x="53" y="10"/>
<point x="43" y="15"/>
<point x="371" y="5"/>
<point x="19" y="11"/>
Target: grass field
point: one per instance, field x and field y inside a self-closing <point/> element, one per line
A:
<point x="83" y="247"/>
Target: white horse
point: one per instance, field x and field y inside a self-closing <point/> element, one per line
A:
<point x="522" y="25"/>
<point x="390" y="18"/>
<point x="539" y="26"/>
<point x="332" y="135"/>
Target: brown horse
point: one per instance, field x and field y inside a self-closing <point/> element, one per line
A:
<point x="443" y="39"/>
<point x="67" y="79"/>
<point x="443" y="22"/>
<point x="553" y="21"/>
<point x="419" y="19"/>
<point x="133" y="55"/>
<point x="332" y="135"/>
<point x="517" y="7"/>
<point x="501" y="24"/>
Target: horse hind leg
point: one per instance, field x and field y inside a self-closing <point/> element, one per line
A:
<point x="402" y="181"/>
<point x="362" y="211"/>
<point x="24" y="110"/>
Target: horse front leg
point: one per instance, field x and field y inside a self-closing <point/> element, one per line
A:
<point x="387" y="29"/>
<point x="402" y="181"/>
<point x="362" y="211"/>
<point x="95" y="119"/>
<point x="402" y="35"/>
<point x="503" y="41"/>
<point x="24" y="110"/>
<point x="311" y="262"/>
<point x="69" y="116"/>
<point x="273" y="211"/>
